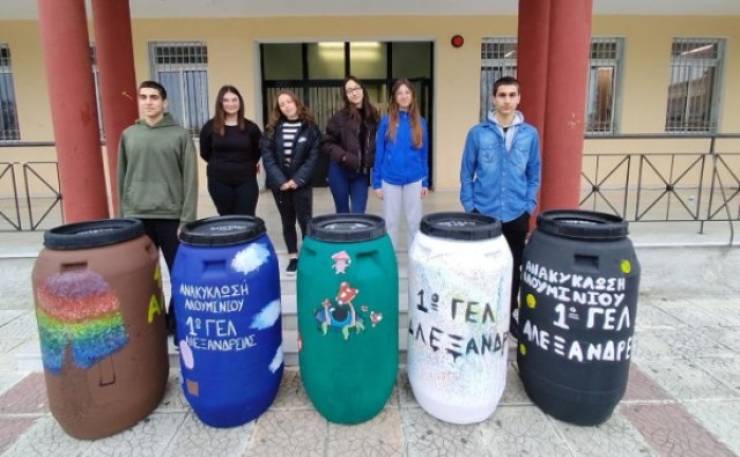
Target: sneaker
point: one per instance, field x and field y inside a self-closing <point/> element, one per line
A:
<point x="292" y="267"/>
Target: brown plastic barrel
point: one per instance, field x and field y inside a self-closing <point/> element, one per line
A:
<point x="99" y="306"/>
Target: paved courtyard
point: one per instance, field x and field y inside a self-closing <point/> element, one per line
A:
<point x="683" y="397"/>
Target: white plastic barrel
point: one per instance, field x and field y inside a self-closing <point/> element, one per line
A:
<point x="459" y="297"/>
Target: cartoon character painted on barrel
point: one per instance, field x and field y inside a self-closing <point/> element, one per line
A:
<point x="342" y="315"/>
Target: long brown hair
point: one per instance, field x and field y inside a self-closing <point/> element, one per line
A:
<point x="393" y="110"/>
<point x="370" y="113"/>
<point x="219" y="119"/>
<point x="277" y="116"/>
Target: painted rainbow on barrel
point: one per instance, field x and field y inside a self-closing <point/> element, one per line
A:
<point x="79" y="309"/>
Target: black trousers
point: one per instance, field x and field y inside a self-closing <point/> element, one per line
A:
<point x="163" y="232"/>
<point x="234" y="199"/>
<point x="294" y="205"/>
<point x="515" y="232"/>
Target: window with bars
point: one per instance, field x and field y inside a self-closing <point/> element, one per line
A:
<point x="98" y="93"/>
<point x="693" y="92"/>
<point x="498" y="59"/>
<point x="603" y="76"/>
<point x="9" y="130"/>
<point x="182" y="68"/>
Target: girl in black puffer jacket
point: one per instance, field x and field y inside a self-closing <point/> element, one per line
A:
<point x="350" y="144"/>
<point x="290" y="150"/>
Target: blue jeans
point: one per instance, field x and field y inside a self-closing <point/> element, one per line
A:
<point x="348" y="188"/>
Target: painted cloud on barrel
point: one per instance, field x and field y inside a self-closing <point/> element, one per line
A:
<point x="250" y="258"/>
<point x="277" y="360"/>
<point x="267" y="317"/>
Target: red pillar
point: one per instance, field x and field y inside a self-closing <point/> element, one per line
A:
<point x="115" y="54"/>
<point x="532" y="45"/>
<point x="74" y="114"/>
<point x="568" y="61"/>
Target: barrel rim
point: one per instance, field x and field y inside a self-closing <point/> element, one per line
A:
<point x="489" y="229"/>
<point x="92" y="234"/>
<point x="375" y="228"/>
<point x="583" y="224"/>
<point x="190" y="236"/>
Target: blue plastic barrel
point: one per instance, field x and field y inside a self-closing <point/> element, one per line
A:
<point x="226" y="288"/>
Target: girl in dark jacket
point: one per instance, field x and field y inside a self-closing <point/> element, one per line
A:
<point x="350" y="144"/>
<point x="230" y="145"/>
<point x="290" y="150"/>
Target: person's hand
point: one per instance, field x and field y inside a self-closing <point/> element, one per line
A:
<point x="379" y="193"/>
<point x="257" y="168"/>
<point x="286" y="185"/>
<point x="424" y="192"/>
<point x="291" y="184"/>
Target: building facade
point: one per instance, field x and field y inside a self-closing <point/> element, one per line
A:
<point x="649" y="74"/>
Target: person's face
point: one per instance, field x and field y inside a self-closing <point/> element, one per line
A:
<point x="230" y="103"/>
<point x="287" y="106"/>
<point x="354" y="93"/>
<point x="404" y="97"/>
<point x="506" y="99"/>
<point x="151" y="104"/>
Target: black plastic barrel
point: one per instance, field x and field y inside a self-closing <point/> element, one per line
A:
<point x="580" y="280"/>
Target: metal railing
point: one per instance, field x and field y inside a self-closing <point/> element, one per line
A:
<point x="665" y="187"/>
<point x="37" y="187"/>
<point x="637" y="186"/>
<point x="8" y="174"/>
<point x="30" y="169"/>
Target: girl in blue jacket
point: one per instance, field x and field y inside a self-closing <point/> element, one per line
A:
<point x="401" y="171"/>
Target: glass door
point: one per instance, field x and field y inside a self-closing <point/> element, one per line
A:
<point x="315" y="72"/>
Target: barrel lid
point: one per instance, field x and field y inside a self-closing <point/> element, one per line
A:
<point x="222" y="230"/>
<point x="346" y="228"/>
<point x="461" y="226"/>
<point x="589" y="225"/>
<point x="92" y="234"/>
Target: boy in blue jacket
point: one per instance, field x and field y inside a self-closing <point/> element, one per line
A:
<point x="500" y="171"/>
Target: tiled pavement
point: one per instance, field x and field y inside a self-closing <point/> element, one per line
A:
<point x="683" y="399"/>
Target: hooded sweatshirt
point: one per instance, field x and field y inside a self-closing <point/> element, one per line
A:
<point x="511" y="131"/>
<point x="157" y="171"/>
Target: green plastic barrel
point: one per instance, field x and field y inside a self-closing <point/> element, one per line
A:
<point x="348" y="316"/>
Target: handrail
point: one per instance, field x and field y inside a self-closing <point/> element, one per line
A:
<point x="662" y="136"/>
<point x="26" y="144"/>
<point x="587" y="136"/>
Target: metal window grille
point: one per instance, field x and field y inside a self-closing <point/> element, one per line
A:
<point x="603" y="77"/>
<point x="182" y="68"/>
<point x="9" y="130"/>
<point x="98" y="93"/>
<point x="498" y="59"/>
<point x="693" y="93"/>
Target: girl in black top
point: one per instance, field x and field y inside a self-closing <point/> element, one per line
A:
<point x="230" y="145"/>
<point x="290" y="150"/>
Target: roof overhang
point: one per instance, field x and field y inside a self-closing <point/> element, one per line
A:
<point x="25" y="9"/>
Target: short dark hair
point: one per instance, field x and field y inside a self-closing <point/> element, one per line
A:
<point x="505" y="81"/>
<point x="154" y="85"/>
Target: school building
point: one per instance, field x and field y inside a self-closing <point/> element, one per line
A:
<point x="669" y="69"/>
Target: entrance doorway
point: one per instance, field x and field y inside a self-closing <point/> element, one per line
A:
<point x="315" y="72"/>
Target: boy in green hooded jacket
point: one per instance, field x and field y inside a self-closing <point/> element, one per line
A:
<point x="158" y="174"/>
